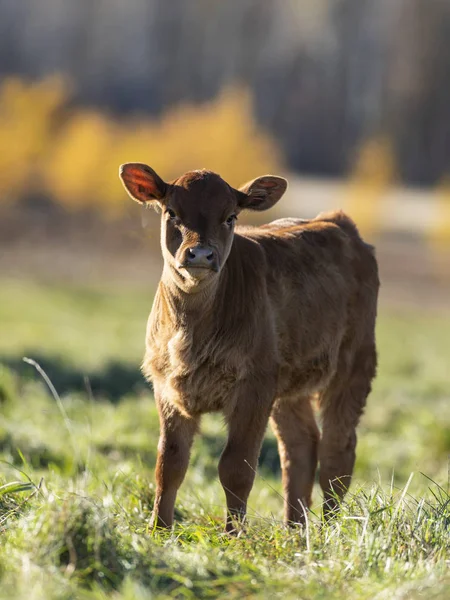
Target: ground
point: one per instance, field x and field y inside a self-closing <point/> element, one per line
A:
<point x="76" y="471"/>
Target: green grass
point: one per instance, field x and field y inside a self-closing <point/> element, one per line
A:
<point x="76" y="479"/>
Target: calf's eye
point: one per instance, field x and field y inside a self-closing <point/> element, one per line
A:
<point x="170" y="213"/>
<point x="231" y="219"/>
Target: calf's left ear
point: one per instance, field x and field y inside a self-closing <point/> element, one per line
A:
<point x="262" y="193"/>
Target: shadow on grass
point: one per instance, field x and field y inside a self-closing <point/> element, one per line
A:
<point x="269" y="460"/>
<point x="115" y="380"/>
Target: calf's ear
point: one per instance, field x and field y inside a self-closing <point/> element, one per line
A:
<point x="262" y="193"/>
<point x="142" y="183"/>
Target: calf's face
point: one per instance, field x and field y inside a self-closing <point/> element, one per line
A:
<point x="199" y="212"/>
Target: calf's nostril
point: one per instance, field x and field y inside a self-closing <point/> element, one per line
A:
<point x="210" y="256"/>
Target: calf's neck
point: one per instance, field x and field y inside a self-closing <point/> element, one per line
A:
<point x="258" y="323"/>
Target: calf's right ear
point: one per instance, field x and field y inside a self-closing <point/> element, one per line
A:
<point x="142" y="183"/>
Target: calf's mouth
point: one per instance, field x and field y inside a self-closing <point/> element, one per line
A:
<point x="198" y="272"/>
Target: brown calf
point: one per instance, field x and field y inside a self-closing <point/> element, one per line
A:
<point x="256" y="322"/>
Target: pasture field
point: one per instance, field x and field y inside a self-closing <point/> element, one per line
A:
<point x="76" y="471"/>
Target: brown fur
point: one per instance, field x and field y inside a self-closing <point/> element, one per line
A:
<point x="285" y="315"/>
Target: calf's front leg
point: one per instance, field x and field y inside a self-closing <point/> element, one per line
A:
<point x="239" y="460"/>
<point x="176" y="436"/>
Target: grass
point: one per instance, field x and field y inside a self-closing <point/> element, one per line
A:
<point x="76" y="478"/>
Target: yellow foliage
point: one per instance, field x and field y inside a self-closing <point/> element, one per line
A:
<point x="27" y="112"/>
<point x="73" y="155"/>
<point x="439" y="234"/>
<point x="375" y="163"/>
<point x="73" y="170"/>
<point x="372" y="176"/>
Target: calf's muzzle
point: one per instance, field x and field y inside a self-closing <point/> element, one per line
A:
<point x="202" y="257"/>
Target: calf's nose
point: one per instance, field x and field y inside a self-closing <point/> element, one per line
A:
<point x="199" y="256"/>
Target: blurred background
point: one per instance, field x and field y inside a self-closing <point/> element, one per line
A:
<point x="350" y="99"/>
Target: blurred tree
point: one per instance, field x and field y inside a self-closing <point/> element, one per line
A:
<point x="28" y="116"/>
<point x="373" y="174"/>
<point x="326" y="75"/>
<point x="71" y="154"/>
<point x="418" y="103"/>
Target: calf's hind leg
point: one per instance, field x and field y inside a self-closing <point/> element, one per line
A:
<point x="295" y="427"/>
<point x="342" y="406"/>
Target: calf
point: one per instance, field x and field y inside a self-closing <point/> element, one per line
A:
<point x="256" y="323"/>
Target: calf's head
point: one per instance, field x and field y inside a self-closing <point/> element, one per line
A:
<point x="199" y="212"/>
